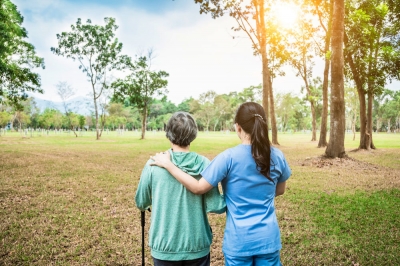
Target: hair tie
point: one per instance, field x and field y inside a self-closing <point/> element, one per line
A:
<point x="257" y="115"/>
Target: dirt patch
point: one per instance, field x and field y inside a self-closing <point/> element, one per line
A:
<point x="352" y="173"/>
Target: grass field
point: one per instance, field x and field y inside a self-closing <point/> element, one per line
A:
<point x="70" y="201"/>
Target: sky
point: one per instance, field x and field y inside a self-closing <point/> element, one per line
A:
<point x="199" y="53"/>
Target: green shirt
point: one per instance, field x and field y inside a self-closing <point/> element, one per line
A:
<point x="179" y="227"/>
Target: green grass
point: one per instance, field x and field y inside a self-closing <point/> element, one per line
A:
<point x="70" y="201"/>
<point x="346" y="229"/>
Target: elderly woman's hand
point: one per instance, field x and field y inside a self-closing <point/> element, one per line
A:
<point x="161" y="159"/>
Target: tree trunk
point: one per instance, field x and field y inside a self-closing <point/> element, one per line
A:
<point x="364" y="139"/>
<point x="335" y="146"/>
<point x="265" y="79"/>
<point x="364" y="142"/>
<point x="314" y="122"/>
<point x="96" y="112"/>
<point x="272" y="114"/>
<point x="369" y="119"/>
<point x="324" y="116"/>
<point x="73" y="130"/>
<point x="144" y="122"/>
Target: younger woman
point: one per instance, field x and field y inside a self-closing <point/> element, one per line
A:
<point x="252" y="175"/>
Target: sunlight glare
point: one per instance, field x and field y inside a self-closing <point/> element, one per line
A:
<point x="286" y="14"/>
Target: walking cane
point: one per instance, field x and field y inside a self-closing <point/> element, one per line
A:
<point x="143" y="216"/>
<point x="143" y="222"/>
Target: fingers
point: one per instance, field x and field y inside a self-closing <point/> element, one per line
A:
<point x="159" y="157"/>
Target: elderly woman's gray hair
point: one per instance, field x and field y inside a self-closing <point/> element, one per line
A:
<point x="181" y="129"/>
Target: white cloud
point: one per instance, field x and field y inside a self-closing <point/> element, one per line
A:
<point x="198" y="52"/>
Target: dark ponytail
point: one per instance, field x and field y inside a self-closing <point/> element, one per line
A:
<point x="251" y="118"/>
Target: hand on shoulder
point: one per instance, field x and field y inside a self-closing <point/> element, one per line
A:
<point x="161" y="159"/>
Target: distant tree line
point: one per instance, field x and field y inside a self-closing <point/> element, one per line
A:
<point x="212" y="111"/>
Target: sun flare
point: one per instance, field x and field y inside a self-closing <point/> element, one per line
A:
<point x="286" y="14"/>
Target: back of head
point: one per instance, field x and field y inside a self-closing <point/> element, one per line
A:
<point x="181" y="129"/>
<point x="251" y="118"/>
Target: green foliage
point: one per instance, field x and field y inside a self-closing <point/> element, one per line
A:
<point x="81" y="119"/>
<point x="161" y="107"/>
<point x="250" y="94"/>
<point x="17" y="57"/>
<point x="5" y="117"/>
<point x="387" y="110"/>
<point x="371" y="47"/>
<point x="288" y="111"/>
<point x="141" y="85"/>
<point x="94" y="47"/>
<point x="51" y="118"/>
<point x="184" y="105"/>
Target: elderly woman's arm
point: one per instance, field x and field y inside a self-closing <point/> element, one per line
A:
<point x="198" y="187"/>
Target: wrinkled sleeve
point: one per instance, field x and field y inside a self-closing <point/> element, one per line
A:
<point x="215" y="201"/>
<point x="143" y="192"/>
<point x="217" y="169"/>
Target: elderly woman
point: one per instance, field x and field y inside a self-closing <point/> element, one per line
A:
<point x="179" y="232"/>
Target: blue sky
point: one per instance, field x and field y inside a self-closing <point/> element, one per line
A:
<point x="197" y="51"/>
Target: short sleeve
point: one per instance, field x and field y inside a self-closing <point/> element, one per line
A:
<point x="286" y="172"/>
<point x="143" y="192"/>
<point x="217" y="169"/>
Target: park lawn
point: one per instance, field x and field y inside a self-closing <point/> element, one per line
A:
<point x="70" y="201"/>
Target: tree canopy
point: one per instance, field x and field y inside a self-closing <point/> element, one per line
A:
<point x="17" y="57"/>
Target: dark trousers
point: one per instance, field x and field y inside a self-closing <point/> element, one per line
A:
<point x="204" y="261"/>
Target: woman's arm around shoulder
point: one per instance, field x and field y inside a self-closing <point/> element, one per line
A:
<point x="198" y="187"/>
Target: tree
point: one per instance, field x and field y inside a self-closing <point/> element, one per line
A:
<point x="372" y="55"/>
<point x="257" y="21"/>
<point x="17" y="57"/>
<point x="24" y="113"/>
<point x="221" y="107"/>
<point x="139" y="87"/>
<point x="335" y="146"/>
<point x="185" y="105"/>
<point x="324" y="11"/>
<point x="202" y="108"/>
<point x="387" y="110"/>
<point x="118" y="115"/>
<point x="65" y="92"/>
<point x="251" y="94"/>
<point x="97" y="52"/>
<point x="51" y="118"/>
<point x="286" y="107"/>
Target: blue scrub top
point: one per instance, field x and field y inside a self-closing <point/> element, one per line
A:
<point x="251" y="223"/>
